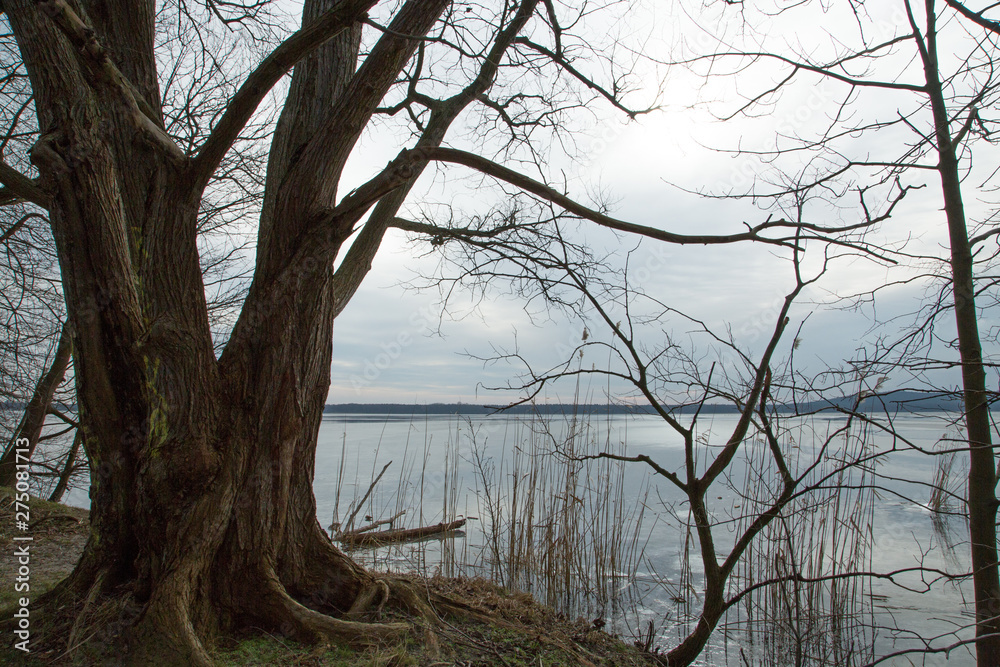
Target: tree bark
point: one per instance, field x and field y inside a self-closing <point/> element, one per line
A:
<point x="982" y="500"/>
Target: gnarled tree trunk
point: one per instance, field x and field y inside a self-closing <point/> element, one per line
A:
<point x="202" y="508"/>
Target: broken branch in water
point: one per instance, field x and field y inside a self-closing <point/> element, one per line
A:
<point x="350" y="519"/>
<point x="364" y="529"/>
<point x="358" y="538"/>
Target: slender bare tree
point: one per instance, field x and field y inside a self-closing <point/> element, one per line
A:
<point x="936" y="63"/>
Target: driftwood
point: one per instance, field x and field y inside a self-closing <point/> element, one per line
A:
<point x="364" y="539"/>
<point x="339" y="534"/>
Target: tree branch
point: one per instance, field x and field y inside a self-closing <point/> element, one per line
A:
<point x="438" y="234"/>
<point x="268" y="73"/>
<point x="801" y="579"/>
<point x="22" y="187"/>
<point x="977" y="18"/>
<point x="641" y="458"/>
<point x="359" y="257"/>
<point x="395" y="174"/>
<point x="979" y="238"/>
<point x="104" y="73"/>
<point x="538" y="189"/>
<point x="317" y="168"/>
<point x="579" y="76"/>
<point x="20" y="223"/>
<point x="827" y="69"/>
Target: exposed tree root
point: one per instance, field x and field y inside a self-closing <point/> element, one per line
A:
<point x="387" y="610"/>
<point x="427" y="605"/>
<point x="312" y="627"/>
<point x="182" y="619"/>
<point x="407" y="597"/>
<point x="372" y="598"/>
<point x="166" y="636"/>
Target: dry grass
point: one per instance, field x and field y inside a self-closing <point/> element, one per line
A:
<point x="554" y="525"/>
<point x="558" y="526"/>
<point x="825" y="534"/>
<point x="947" y="487"/>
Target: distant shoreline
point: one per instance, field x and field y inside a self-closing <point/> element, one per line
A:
<point x="895" y="401"/>
<point x="899" y="401"/>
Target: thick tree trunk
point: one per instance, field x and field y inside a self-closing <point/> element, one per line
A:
<point x="33" y="419"/>
<point x="202" y="510"/>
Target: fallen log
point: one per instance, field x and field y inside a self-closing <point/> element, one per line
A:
<point x="381" y="537"/>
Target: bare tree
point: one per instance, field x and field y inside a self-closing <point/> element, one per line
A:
<point x="201" y="441"/>
<point x="936" y="61"/>
<point x="544" y="262"/>
<point x="36" y="354"/>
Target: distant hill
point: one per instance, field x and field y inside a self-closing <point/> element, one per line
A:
<point x="474" y="409"/>
<point x="901" y="401"/>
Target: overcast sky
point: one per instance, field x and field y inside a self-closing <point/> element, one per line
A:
<point x="390" y="345"/>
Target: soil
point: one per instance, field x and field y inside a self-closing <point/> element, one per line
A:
<point x="58" y="532"/>
<point x="513" y="629"/>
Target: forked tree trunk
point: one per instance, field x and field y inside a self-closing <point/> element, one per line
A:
<point x="713" y="609"/>
<point x="202" y="508"/>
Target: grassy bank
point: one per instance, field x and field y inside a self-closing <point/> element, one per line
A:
<point x="513" y="629"/>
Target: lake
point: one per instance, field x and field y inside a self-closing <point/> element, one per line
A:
<point x="437" y="472"/>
